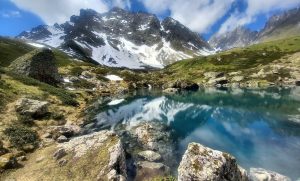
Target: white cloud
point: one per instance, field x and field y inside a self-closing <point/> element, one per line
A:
<point x="10" y="14"/>
<point x="59" y="11"/>
<point x="198" y="15"/>
<point x="255" y="8"/>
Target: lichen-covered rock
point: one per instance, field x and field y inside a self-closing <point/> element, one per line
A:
<point x="260" y="174"/>
<point x="98" y="156"/>
<point x="39" y="64"/>
<point x="32" y="108"/>
<point x="202" y="163"/>
<point x="83" y="145"/>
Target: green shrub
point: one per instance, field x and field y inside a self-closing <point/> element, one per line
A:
<point x="66" y="97"/>
<point x="76" y="71"/>
<point x="20" y="136"/>
<point x="24" y="119"/>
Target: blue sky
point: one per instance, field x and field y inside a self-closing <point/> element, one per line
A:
<point x="203" y="16"/>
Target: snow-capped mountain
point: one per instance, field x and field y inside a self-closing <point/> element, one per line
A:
<point x="120" y="38"/>
<point x="282" y="25"/>
<point x="239" y="37"/>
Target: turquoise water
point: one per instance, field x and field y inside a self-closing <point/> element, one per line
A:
<point x="261" y="128"/>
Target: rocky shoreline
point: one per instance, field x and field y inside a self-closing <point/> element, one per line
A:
<point x="143" y="151"/>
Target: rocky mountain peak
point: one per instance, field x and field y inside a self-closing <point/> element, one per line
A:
<point x="239" y="37"/>
<point x="120" y="38"/>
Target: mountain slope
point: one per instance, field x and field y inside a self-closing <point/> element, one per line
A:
<point x="286" y="24"/>
<point x="239" y="37"/>
<point x="120" y="38"/>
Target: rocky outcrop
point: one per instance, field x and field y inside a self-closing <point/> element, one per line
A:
<point x="32" y="108"/>
<point x="260" y="174"/>
<point x="202" y="163"/>
<point x="39" y="64"/>
<point x="181" y="85"/>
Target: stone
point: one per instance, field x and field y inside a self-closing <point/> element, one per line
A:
<point x="297" y="83"/>
<point x="62" y="162"/>
<point x="60" y="153"/>
<point x="32" y="108"/>
<point x="38" y="64"/>
<point x="7" y="161"/>
<point x="62" y="139"/>
<point x="22" y="158"/>
<point x="39" y="159"/>
<point x="213" y="75"/>
<point x="2" y="149"/>
<point x="66" y="130"/>
<point x="28" y="148"/>
<point x="185" y="85"/>
<point x="202" y="163"/>
<point x="216" y="81"/>
<point x="237" y="78"/>
<point x="260" y="174"/>
<point x="171" y="90"/>
<point x="146" y="169"/>
<point x="150" y="155"/>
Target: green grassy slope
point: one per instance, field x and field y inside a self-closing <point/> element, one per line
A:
<point x="239" y="59"/>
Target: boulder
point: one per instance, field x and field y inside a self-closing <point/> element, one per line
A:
<point x="66" y="130"/>
<point x="115" y="167"/>
<point x="32" y="108"/>
<point x="260" y="174"/>
<point x="213" y="75"/>
<point x="216" y="81"/>
<point x="39" y="64"/>
<point x="62" y="139"/>
<point x="185" y="85"/>
<point x="149" y="155"/>
<point x="202" y="163"/>
<point x="237" y="78"/>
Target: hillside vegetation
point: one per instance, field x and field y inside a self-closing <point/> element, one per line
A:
<point x="247" y="61"/>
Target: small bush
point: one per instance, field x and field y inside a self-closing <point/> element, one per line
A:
<point x="24" y="119"/>
<point x="20" y="136"/>
<point x="76" y="71"/>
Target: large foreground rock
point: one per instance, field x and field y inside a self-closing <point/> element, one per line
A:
<point x="202" y="163"/>
<point x="260" y="174"/>
<point x="39" y="64"/>
<point x="31" y="107"/>
<point x="98" y="156"/>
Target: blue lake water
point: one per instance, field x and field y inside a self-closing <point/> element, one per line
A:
<point x="261" y="128"/>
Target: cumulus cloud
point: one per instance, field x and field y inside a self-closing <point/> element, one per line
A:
<point x="198" y="15"/>
<point x="255" y="8"/>
<point x="59" y="11"/>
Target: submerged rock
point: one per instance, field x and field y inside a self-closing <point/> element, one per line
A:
<point x="147" y="169"/>
<point x="171" y="90"/>
<point x="32" y="108"/>
<point x="39" y="64"/>
<point x="260" y="174"/>
<point x="150" y="156"/>
<point x="202" y="163"/>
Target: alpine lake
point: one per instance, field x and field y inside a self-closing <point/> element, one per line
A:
<point x="259" y="127"/>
